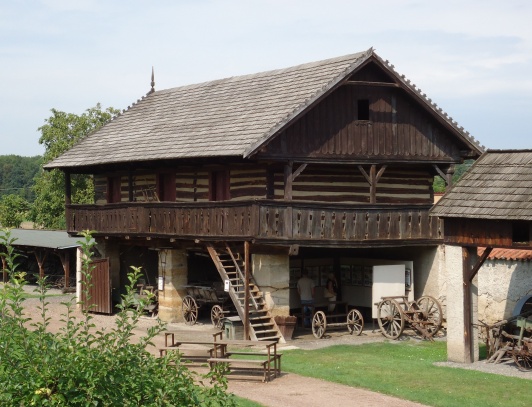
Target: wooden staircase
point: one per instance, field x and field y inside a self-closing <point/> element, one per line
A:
<point x="230" y="265"/>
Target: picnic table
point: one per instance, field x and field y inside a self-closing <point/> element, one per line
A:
<point x="251" y="356"/>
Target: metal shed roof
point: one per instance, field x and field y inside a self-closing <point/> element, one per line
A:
<point x="50" y="239"/>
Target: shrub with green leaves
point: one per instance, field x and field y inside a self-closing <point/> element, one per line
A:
<point x="83" y="366"/>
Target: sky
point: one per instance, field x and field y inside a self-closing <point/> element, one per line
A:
<point x="473" y="58"/>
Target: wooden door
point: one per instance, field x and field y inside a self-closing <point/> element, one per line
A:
<point x="96" y="295"/>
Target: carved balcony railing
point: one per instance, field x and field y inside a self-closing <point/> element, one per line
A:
<point x="261" y="220"/>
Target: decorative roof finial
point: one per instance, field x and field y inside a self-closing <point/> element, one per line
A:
<point x="152" y="81"/>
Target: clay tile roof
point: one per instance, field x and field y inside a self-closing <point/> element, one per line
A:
<point x="508" y="254"/>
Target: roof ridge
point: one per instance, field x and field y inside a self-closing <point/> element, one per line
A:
<point x="265" y="73"/>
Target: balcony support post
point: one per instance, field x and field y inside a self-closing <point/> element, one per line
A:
<point x="68" y="189"/>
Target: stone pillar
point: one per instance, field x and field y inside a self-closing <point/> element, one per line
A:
<point x="173" y="268"/>
<point x="456" y="345"/>
<point x="272" y="274"/>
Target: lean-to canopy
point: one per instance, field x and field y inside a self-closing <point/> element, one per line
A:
<point x="497" y="187"/>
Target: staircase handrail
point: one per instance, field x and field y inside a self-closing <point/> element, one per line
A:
<point x="241" y="276"/>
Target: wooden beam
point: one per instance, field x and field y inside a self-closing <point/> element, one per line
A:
<point x="298" y="171"/>
<point x="288" y="178"/>
<point x="246" y="291"/>
<point x="130" y="186"/>
<point x="364" y="173"/>
<point x="467" y="307"/>
<point x="64" y="257"/>
<point x="366" y="83"/>
<point x="473" y="272"/>
<point x="68" y="189"/>
<point x="4" y="267"/>
<point x="40" y="256"/>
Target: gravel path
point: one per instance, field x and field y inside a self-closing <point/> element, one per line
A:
<point x="290" y="389"/>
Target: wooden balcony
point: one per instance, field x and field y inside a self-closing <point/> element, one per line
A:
<point x="266" y="221"/>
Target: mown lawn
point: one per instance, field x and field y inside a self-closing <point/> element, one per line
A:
<point x="405" y="370"/>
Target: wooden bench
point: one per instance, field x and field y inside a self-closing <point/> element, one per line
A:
<point x="266" y="361"/>
<point x="270" y="357"/>
<point x="247" y="365"/>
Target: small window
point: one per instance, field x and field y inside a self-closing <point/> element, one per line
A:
<point x="363" y="109"/>
<point x="520" y="232"/>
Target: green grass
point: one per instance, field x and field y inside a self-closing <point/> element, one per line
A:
<point x="406" y="370"/>
<point x="241" y="402"/>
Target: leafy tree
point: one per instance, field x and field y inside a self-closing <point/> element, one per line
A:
<point x="17" y="174"/>
<point x="83" y="366"/>
<point x="439" y="183"/>
<point x="61" y="131"/>
<point x="14" y="210"/>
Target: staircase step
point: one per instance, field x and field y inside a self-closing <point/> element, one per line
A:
<point x="269" y="338"/>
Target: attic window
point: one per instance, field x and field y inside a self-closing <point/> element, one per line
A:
<point x="520" y="232"/>
<point x="363" y="109"/>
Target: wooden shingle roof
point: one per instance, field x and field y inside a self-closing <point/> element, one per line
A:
<point x="226" y="117"/>
<point x="497" y="187"/>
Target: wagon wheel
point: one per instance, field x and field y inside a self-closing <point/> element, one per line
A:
<point x="217" y="316"/>
<point x="431" y="313"/>
<point x="390" y="318"/>
<point x="319" y="324"/>
<point x="523" y="362"/>
<point x="355" y="322"/>
<point x="190" y="310"/>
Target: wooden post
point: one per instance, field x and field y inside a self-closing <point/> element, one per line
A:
<point x="4" y="267"/>
<point x="247" y="273"/>
<point x="68" y="189"/>
<point x="41" y="258"/>
<point x="288" y="180"/>
<point x="373" y="178"/>
<point x="64" y="257"/>
<point x="467" y="306"/>
<point x="130" y="186"/>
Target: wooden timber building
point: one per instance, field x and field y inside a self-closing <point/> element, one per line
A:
<point x="318" y="165"/>
<point x="489" y="208"/>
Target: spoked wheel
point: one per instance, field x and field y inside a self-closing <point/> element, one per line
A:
<point x="355" y="322"/>
<point x="217" y="316"/>
<point x="319" y="324"/>
<point x="430" y="313"/>
<point x="390" y="318"/>
<point x="523" y="357"/>
<point x="523" y="362"/>
<point x="190" y="310"/>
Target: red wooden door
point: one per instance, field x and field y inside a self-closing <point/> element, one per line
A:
<point x="96" y="295"/>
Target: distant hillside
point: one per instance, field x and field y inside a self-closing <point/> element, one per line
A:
<point x="17" y="173"/>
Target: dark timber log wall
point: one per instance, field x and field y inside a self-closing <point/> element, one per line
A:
<point x="397" y="129"/>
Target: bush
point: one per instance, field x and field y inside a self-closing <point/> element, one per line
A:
<point x="81" y="366"/>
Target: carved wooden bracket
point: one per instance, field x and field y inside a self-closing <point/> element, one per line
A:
<point x="373" y="178"/>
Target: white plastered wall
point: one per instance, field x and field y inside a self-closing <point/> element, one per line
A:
<point x="502" y="283"/>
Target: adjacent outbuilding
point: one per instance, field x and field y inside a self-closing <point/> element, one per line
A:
<point x="490" y="207"/>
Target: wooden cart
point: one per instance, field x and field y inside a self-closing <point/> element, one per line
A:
<point x="510" y="339"/>
<point x="394" y="314"/>
<point x="322" y="321"/>
<point x="198" y="296"/>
